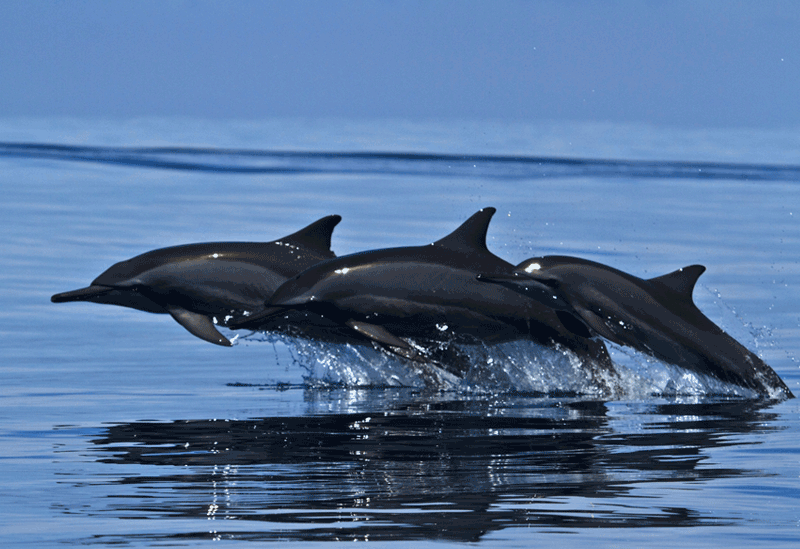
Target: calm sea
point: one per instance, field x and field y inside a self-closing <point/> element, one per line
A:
<point x="118" y="427"/>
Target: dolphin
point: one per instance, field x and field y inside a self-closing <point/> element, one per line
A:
<point x="656" y="316"/>
<point x="203" y="284"/>
<point x="431" y="293"/>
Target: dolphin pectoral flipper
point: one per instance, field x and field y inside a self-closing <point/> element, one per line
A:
<point x="597" y="350"/>
<point x="601" y="367"/>
<point x="388" y="341"/>
<point x="598" y="325"/>
<point x="198" y="325"/>
<point x="378" y="334"/>
<point x="597" y="364"/>
<point x="575" y="324"/>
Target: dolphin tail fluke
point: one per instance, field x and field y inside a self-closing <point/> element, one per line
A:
<point x="756" y="374"/>
<point x="774" y="381"/>
<point x="198" y="325"/>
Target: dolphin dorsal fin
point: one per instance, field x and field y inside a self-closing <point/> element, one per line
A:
<point x="316" y="236"/>
<point x="471" y="235"/>
<point x="681" y="281"/>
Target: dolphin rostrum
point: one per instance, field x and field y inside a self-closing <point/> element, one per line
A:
<point x="656" y="316"/>
<point x="432" y="293"/>
<point x="203" y="284"/>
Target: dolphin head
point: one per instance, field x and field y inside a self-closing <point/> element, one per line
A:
<point x="315" y="287"/>
<point x="117" y="285"/>
<point x="110" y="295"/>
<point x="529" y="279"/>
<point x="90" y="293"/>
<point x="294" y="293"/>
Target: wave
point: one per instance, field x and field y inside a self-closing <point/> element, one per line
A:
<point x="244" y="161"/>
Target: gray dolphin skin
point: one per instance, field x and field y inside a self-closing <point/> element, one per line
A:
<point x="198" y="283"/>
<point x="430" y="292"/>
<point x="656" y="316"/>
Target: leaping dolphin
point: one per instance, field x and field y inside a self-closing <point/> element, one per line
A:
<point x="656" y="316"/>
<point x="430" y="292"/>
<point x="198" y="283"/>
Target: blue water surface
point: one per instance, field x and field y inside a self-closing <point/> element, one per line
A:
<point x="119" y="427"/>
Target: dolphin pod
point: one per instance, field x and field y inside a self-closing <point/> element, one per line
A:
<point x="421" y="302"/>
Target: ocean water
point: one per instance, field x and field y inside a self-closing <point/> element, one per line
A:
<point x="118" y="427"/>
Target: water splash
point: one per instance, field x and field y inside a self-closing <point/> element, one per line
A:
<point x="518" y="367"/>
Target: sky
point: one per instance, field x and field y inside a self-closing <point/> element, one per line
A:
<point x="714" y="64"/>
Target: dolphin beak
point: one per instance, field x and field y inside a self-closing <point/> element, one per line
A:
<point x="254" y="320"/>
<point x="500" y="277"/>
<point x="84" y="294"/>
<point x="292" y="302"/>
<point x="518" y="278"/>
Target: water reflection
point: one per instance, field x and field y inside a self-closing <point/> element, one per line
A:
<point x="411" y="469"/>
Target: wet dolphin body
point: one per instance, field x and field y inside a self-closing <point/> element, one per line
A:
<point x="431" y="292"/>
<point x="656" y="316"/>
<point x="198" y="283"/>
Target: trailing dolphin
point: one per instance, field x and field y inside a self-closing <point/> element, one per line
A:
<point x="431" y="293"/>
<point x="656" y="316"/>
<point x="200" y="284"/>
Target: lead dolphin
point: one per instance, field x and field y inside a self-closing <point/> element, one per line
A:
<point x="198" y="284"/>
<point x="656" y="316"/>
<point x="430" y="292"/>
